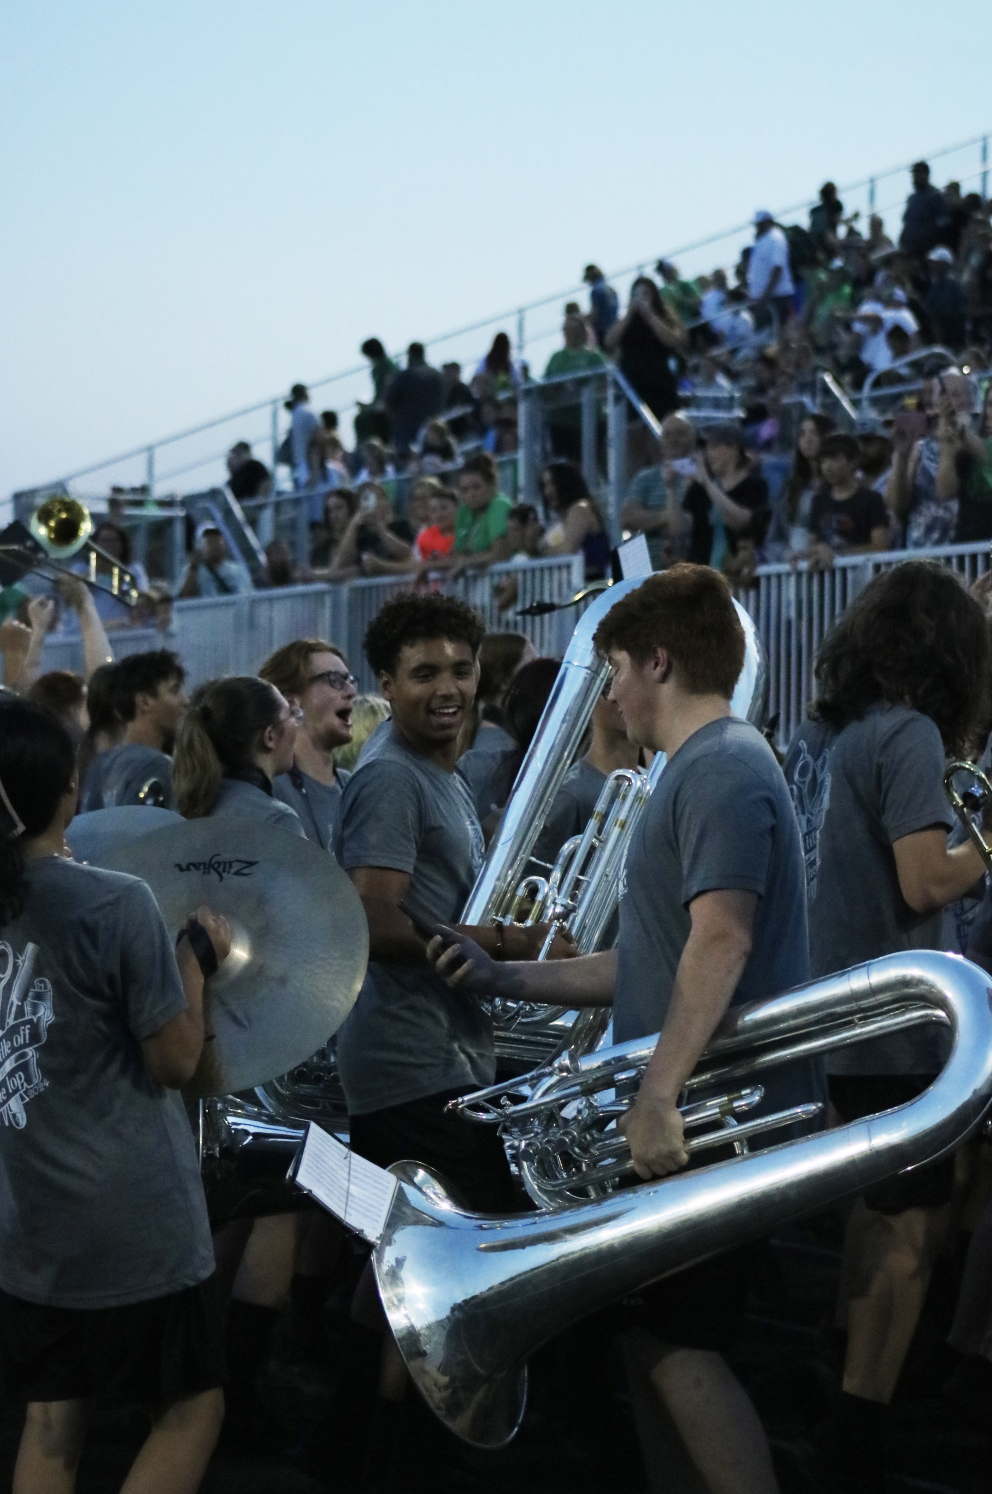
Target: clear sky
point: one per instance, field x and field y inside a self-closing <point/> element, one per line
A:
<point x="205" y="202"/>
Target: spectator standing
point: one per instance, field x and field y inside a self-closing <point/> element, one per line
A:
<point x="824" y="220"/>
<point x="565" y="412"/>
<point x="654" y="498"/>
<point x="604" y="308"/>
<point x="964" y="471"/>
<point x="413" y="396"/>
<point x="681" y="296"/>
<point x="649" y="341"/>
<point x="578" y="526"/>
<point x="926" y="217"/>
<point x="714" y="298"/>
<point x="846" y="518"/>
<point x="878" y="240"/>
<point x="373" y="419"/>
<point x="945" y="304"/>
<point x="497" y="371"/>
<point x="303" y="425"/>
<point x="727" y="503"/>
<point x="247" y="477"/>
<point x="458" y="397"/>
<point x="769" y="277"/>
<point x="911" y="494"/>
<point x="211" y="571"/>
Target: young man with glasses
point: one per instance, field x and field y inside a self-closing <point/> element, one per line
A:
<point x="315" y="679"/>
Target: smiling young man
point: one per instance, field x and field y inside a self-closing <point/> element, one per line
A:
<point x="408" y="831"/>
<point x="712" y="913"/>
<point x="150" y="698"/>
<point x="313" y="675"/>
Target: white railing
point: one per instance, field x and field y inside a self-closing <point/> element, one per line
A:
<point x="233" y="635"/>
<point x="794" y="608"/>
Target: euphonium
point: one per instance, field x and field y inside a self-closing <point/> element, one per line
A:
<point x="470" y="1297"/>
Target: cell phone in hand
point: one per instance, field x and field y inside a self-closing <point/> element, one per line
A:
<point x="912" y="423"/>
<point x="368" y="503"/>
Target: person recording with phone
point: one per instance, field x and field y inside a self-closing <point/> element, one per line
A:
<point x="376" y="542"/>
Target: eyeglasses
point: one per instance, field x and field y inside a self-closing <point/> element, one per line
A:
<point x="295" y="714"/>
<point x="336" y="678"/>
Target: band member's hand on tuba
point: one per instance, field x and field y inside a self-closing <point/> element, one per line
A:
<point x="654" y="1130"/>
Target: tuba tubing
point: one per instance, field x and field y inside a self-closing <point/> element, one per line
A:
<point x="470" y="1297"/>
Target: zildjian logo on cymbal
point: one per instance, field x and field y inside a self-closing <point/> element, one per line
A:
<point x="221" y="867"/>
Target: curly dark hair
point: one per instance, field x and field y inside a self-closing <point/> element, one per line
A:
<point x="913" y="637"/>
<point x="412" y="618"/>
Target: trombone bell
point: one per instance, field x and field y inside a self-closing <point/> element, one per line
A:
<point x="61" y="526"/>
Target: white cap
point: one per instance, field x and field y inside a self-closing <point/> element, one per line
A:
<point x="871" y="308"/>
<point x="208" y="526"/>
<point x="942" y="255"/>
<point x="897" y="296"/>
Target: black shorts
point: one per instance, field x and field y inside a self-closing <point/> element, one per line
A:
<point x="698" y="1308"/>
<point x="927" y="1187"/>
<point x="468" y="1156"/>
<point x="149" y="1353"/>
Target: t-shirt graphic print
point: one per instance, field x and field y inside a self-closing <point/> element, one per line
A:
<point x="25" y="1012"/>
<point x="810" y="789"/>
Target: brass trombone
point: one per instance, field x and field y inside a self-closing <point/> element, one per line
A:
<point x="62" y="527"/>
<point x="969" y="801"/>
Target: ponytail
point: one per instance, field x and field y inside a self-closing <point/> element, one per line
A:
<point x="37" y="761"/>
<point x="218" y="737"/>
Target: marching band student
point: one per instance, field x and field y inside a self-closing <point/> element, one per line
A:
<point x="148" y="697"/>
<point x="313" y="676"/>
<point x="712" y="912"/>
<point x="902" y="680"/>
<point x="107" y="1280"/>
<point x="237" y="735"/>
<point x="234" y="740"/>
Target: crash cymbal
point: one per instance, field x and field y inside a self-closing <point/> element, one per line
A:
<point x="300" y="946"/>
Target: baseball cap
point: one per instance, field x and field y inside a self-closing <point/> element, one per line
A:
<point x="941" y="255"/>
<point x="209" y="526"/>
<point x="897" y="296"/>
<point x="763" y="216"/>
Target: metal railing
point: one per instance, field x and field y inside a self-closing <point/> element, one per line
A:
<point x="234" y="635"/>
<point x="260" y="422"/>
<point x="794" y="608"/>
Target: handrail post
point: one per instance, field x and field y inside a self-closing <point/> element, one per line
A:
<point x="150" y="471"/>
<point x="985" y="164"/>
<point x="590" y="431"/>
<point x="871" y="196"/>
<point x="521" y="339"/>
<point x="616" y="455"/>
<point x="527" y="435"/>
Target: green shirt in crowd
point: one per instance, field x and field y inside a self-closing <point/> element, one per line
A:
<point x="573" y="361"/>
<point x="475" y="532"/>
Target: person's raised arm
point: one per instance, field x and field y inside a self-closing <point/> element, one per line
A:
<point x="96" y="646"/>
<point x="345" y="560"/>
<point x="734" y="515"/>
<point x="612" y="339"/>
<point x="708" y="974"/>
<point x="676" y="338"/>
<point x="172" y="1054"/>
<point x="899" y="488"/>
<point x="191" y="581"/>
<point x="41" y="612"/>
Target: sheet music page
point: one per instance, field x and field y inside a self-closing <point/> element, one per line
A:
<point x="349" y="1187"/>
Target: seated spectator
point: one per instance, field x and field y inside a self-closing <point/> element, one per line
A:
<point x="437" y="540"/>
<point x="727" y="503"/>
<point x="878" y="240"/>
<point x="501" y="434"/>
<point x="525" y="533"/>
<point x="437" y="449"/>
<point x="367" y="713"/>
<point x="326" y="456"/>
<point x="279" y="569"/>
<point x="964" y="471"/>
<point x="114" y="543"/>
<point x="480" y="523"/>
<point x="769" y="277"/>
<point x="375" y="464"/>
<point x="498" y="369"/>
<point x="649" y="341"/>
<point x="418" y="506"/>
<point x="911" y="494"/>
<point x="490" y="775"/>
<point x="604" y="308"/>
<point x="372" y="419"/>
<point x="847" y="518"/>
<point x="791" y="526"/>
<point x="945" y="303"/>
<point x="247" y="477"/>
<point x="714" y="298"/>
<point x="876" y="460"/>
<point x="564" y="402"/>
<point x="211" y="571"/>
<point x="869" y="325"/>
<point x="376" y="542"/>
<point x="339" y="509"/>
<point x="926" y="215"/>
<point x="654" y="498"/>
<point x="577" y="525"/>
<point x="459" y="403"/>
<point x="413" y="396"/>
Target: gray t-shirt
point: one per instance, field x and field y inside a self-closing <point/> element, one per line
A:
<point x="123" y="774"/>
<point x="374" y="743"/>
<point x="317" y="804"/>
<point x="571" y="811"/>
<point x="719" y="819"/>
<point x="247" y="802"/>
<point x="100" y="1196"/>
<point x="481" y="771"/>
<point x="856" y="792"/>
<point x="408" y="1034"/>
